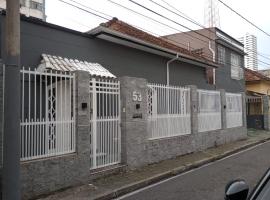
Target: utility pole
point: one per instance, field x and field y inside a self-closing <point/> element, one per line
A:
<point x="12" y="103"/>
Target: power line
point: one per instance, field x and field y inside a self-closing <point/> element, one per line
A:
<point x="103" y="17"/>
<point x="134" y="2"/>
<point x="93" y="13"/>
<point x="119" y="5"/>
<point x="91" y="8"/>
<point x="168" y="39"/>
<point x="244" y="18"/>
<point x="259" y="54"/>
<point x="183" y="14"/>
<point x="109" y="15"/>
<point x="97" y="15"/>
<point x="194" y="22"/>
<point x="98" y="12"/>
<point x="206" y="55"/>
<point x="184" y="17"/>
<point x="146" y="8"/>
<point x="151" y="19"/>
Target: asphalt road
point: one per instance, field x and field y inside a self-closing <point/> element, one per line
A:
<point x="208" y="182"/>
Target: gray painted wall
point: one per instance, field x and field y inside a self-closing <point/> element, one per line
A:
<point x="120" y="60"/>
<point x="223" y="75"/>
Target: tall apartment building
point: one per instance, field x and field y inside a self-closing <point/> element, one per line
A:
<point x="33" y="8"/>
<point x="250" y="45"/>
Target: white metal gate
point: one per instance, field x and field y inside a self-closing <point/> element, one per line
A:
<point x="105" y="133"/>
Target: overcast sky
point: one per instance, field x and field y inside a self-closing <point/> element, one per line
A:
<point x="256" y="11"/>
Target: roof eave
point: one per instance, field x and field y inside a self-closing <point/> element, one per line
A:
<point x="228" y="45"/>
<point x="96" y="32"/>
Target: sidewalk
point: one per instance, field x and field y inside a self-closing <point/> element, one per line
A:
<point x="117" y="185"/>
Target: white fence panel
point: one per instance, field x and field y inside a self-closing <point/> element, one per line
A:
<point x="209" y="112"/>
<point x="105" y="120"/>
<point x="234" y="114"/>
<point x="47" y="125"/>
<point x="168" y="111"/>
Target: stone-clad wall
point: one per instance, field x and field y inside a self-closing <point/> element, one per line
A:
<point x="134" y="122"/>
<point x="43" y="176"/>
<point x="166" y="148"/>
<point x="141" y="151"/>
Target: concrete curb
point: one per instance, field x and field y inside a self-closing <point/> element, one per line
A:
<point x="176" y="171"/>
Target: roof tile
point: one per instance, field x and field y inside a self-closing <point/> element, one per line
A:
<point x="251" y="75"/>
<point x="124" y="28"/>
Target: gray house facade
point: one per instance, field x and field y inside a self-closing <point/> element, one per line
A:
<point x="215" y="44"/>
<point x="106" y="123"/>
<point x="121" y="55"/>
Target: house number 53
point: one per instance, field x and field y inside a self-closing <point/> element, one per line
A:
<point x="136" y="96"/>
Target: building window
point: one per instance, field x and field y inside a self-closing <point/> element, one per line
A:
<point x="36" y="5"/>
<point x="221" y="55"/>
<point x="236" y="70"/>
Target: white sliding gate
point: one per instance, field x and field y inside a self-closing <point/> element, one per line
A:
<point x="47" y="125"/>
<point x="209" y="111"/>
<point x="234" y="115"/>
<point x="105" y="133"/>
<point x="168" y="111"/>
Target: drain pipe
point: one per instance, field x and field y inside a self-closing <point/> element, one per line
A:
<point x="214" y="59"/>
<point x="168" y="68"/>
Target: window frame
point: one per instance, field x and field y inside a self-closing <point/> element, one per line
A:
<point x="221" y="54"/>
<point x="36" y="5"/>
<point x="236" y="70"/>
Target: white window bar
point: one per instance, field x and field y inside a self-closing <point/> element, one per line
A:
<point x="234" y="107"/>
<point x="168" y="111"/>
<point x="209" y="110"/>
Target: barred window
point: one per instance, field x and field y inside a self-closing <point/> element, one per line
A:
<point x="221" y="55"/>
<point x="236" y="70"/>
<point x="36" y="5"/>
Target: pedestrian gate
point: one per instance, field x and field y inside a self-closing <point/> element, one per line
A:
<point x="105" y="133"/>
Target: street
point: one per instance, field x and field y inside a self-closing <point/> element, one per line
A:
<point x="209" y="181"/>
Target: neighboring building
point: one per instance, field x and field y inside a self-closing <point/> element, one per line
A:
<point x="223" y="49"/>
<point x="33" y="8"/>
<point x="257" y="99"/>
<point x="250" y="45"/>
<point x="256" y="83"/>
